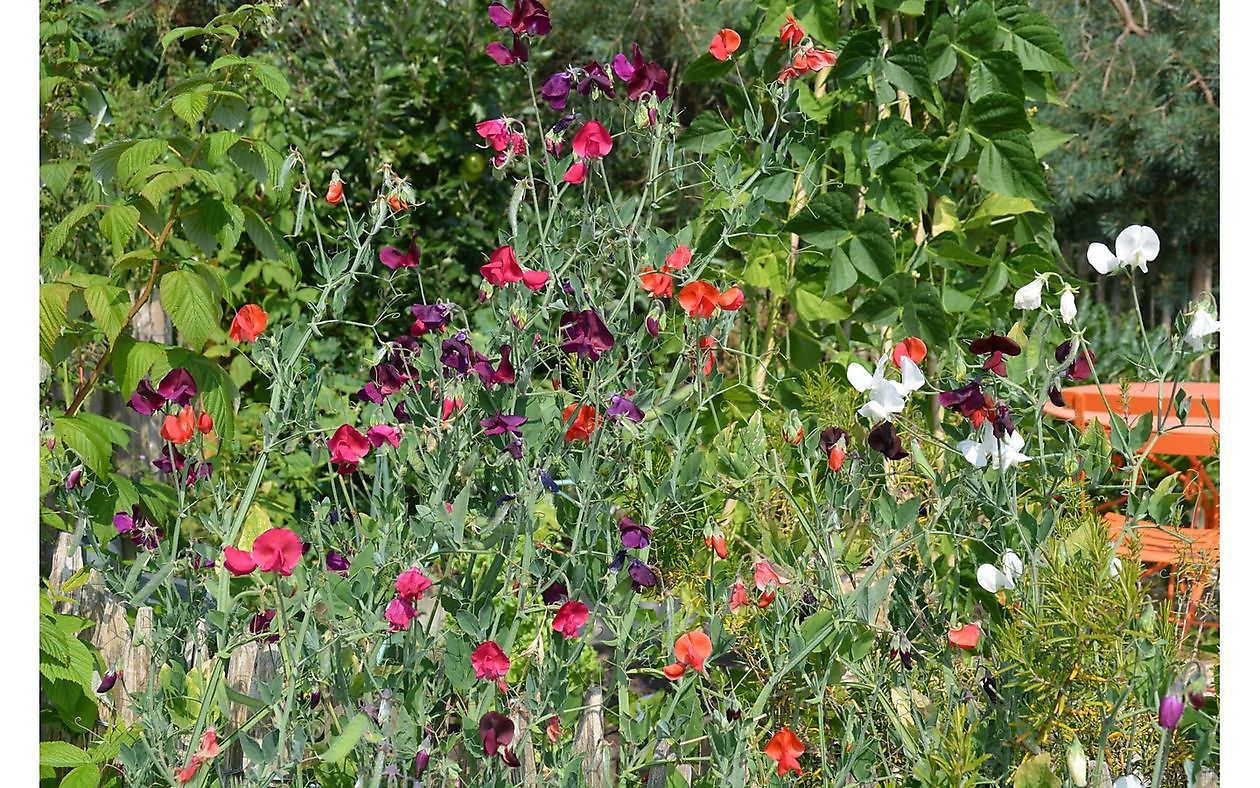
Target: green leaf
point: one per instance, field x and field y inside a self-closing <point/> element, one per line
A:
<point x="707" y="67"/>
<point x="346" y="741"/>
<point x="269" y="243"/>
<point x="1034" y="38"/>
<point x="119" y="223"/>
<point x="218" y="143"/>
<point x="58" y="235"/>
<point x="994" y="113"/>
<point x="272" y="79"/>
<point x="842" y="275"/>
<point x="977" y="27"/>
<point x="811" y="306"/>
<point x="1045" y="139"/>
<point x="139" y="155"/>
<point x="55" y="175"/>
<point x="906" y="67"/>
<point x="996" y="72"/>
<point x="707" y="133"/>
<point x="85" y="776"/>
<point x="104" y="162"/>
<point x="193" y="309"/>
<point x="924" y="315"/>
<point x="858" y="53"/>
<point x="132" y="360"/>
<point x="54" y="297"/>
<point x="86" y="440"/>
<point x="190" y="106"/>
<point x="61" y="754"/>
<point x="1008" y="165"/>
<point x="825" y="219"/>
<point x="820" y="19"/>
<point x="180" y="33"/>
<point x="871" y="249"/>
<point x="207" y="224"/>
<point x="110" y="306"/>
<point x="1036" y="773"/>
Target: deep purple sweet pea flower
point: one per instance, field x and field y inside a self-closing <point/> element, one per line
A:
<point x="585" y="334"/>
<point x="146" y="401"/>
<point x="400" y="413"/>
<point x="1056" y="396"/>
<point x="997" y="346"/>
<point x="496" y="730"/>
<point x="144" y="532"/>
<point x="505" y="373"/>
<point x="457" y="354"/>
<point x="526" y="17"/>
<point x="501" y="423"/>
<point x="515" y="448"/>
<point x="109" y="680"/>
<point x="966" y="400"/>
<point x="336" y="562"/>
<point x="178" y="387"/>
<point x="884" y="440"/>
<point x="641" y="575"/>
<point x="555" y="593"/>
<point x="618" y="561"/>
<point x="596" y="79"/>
<point x="421" y="763"/>
<point x="1080" y="367"/>
<point x="555" y="89"/>
<point x="1003" y="424"/>
<point x="387" y="377"/>
<point x="623" y="407"/>
<point x="370" y="393"/>
<point x="653" y="327"/>
<point x="642" y="78"/>
<point x="548" y="483"/>
<point x="261" y="622"/>
<point x="429" y="317"/>
<point x="633" y="535"/>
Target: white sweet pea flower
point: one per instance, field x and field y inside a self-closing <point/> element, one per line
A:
<point x="1029" y="296"/>
<point x="1116" y="566"/>
<point x="1002" y="455"/>
<point x="993" y="580"/>
<point x="1129" y="781"/>
<point x="887" y="396"/>
<point x="1202" y="325"/>
<point x="1136" y="246"/>
<point x="1067" y="306"/>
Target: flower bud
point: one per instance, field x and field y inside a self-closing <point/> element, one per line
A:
<point x="1170" y="709"/>
<point x="793" y="430"/>
<point x="1076" y="763"/>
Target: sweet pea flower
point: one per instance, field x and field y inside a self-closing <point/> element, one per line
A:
<point x="276" y="550"/>
<point x="997" y="347"/>
<point x="249" y="322"/>
<point x="335" y="561"/>
<point x="641" y="575"/>
<point x="596" y="79"/>
<point x="784" y="748"/>
<point x="505" y="373"/>
<point x="411" y="584"/>
<point x="657" y="283"/>
<point x="555" y="89"/>
<point x="691" y="649"/>
<point x="501" y="423"/>
<point x="585" y="334"/>
<point x="766" y="576"/>
<point x="497" y="731"/>
<point x="620" y="407"/>
<point x="571" y="617"/>
<point x="499" y="53"/>
<point x="716" y="543"/>
<point x="592" y="141"/>
<point x="791" y="33"/>
<point x="503" y="269"/>
<point x="884" y="439"/>
<point x="642" y="78"/>
<point x="679" y="258"/>
<point x="1136" y="246"/>
<point x="634" y="535"/>
<point x="399" y="613"/>
<point x="178" y="387"/>
<point x="1067" y="305"/>
<point x="965" y="637"/>
<point x="835" y="444"/>
<point x="384" y="433"/>
<point x="576" y="172"/>
<point x="992" y="579"/>
<point x="145" y="400"/>
<point x="989" y="450"/>
<point x="108" y="681"/>
<point x="429" y="318"/>
<point x="910" y="347"/>
<point x="581" y="427"/>
<point x="739" y="596"/>
<point x="491" y="663"/>
<point x="393" y="259"/>
<point x="179" y="428"/>
<point x="724" y="44"/>
<point x="1171" y="707"/>
<point x="1029" y="296"/>
<point x="348" y="447"/>
<point x="1202" y="325"/>
<point x="556" y="592"/>
<point x="887" y="396"/>
<point x="527" y="17"/>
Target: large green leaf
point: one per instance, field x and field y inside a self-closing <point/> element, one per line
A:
<point x="61" y="754"/>
<point x="1036" y="773"/>
<point x="119" y="223"/>
<point x="924" y="315"/>
<point x="996" y="72"/>
<point x="86" y="440"/>
<point x="190" y="106"/>
<point x="210" y="222"/>
<point x="871" y="249"/>
<point x="1034" y="38"/>
<point x="54" y="297"/>
<point x="110" y="306"/>
<point x="994" y="113"/>
<point x="707" y="67"/>
<point x="707" y="133"/>
<point x="193" y="309"/>
<point x="1008" y="165"/>
<point x="977" y="27"/>
<point x="906" y="67"/>
<point x="132" y="360"/>
<point x="824" y="220"/>
<point x="136" y="157"/>
<point x="59" y="234"/>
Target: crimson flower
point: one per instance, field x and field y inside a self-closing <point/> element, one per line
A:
<point x="500" y="423"/>
<point x="393" y="259"/>
<point x="739" y="596"/>
<point x="556" y="592"/>
<point x="997" y="347"/>
<point x="571" y="617"/>
<point x="399" y="613"/>
<point x="642" y="78"/>
<point x="348" y="447"/>
<point x="576" y="172"/>
<point x="716" y="543"/>
<point x="497" y="731"/>
<point x="527" y="17"/>
<point x="592" y="141"/>
<point x="884" y="440"/>
<point x="791" y="32"/>
<point x="384" y="433"/>
<point x="491" y="376"/>
<point x="491" y="663"/>
<point x="146" y="400"/>
<point x="412" y="583"/>
<point x="249" y="322"/>
<point x="178" y="387"/>
<point x="503" y="269"/>
<point x="679" y="258"/>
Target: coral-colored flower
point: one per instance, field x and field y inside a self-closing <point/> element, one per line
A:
<point x="965" y="637"/>
<point x="583" y="426"/>
<point x="491" y="663"/>
<point x="209" y="746"/>
<point x="698" y="299"/>
<point x="592" y="141"/>
<point x="731" y="299"/>
<point x="835" y="457"/>
<point x="658" y="283"/>
<point x="384" y="433"/>
<point x="186" y="774"/>
<point x="399" y="613"/>
<point x="576" y="172"/>
<point x="335" y="189"/>
<point x="553" y="729"/>
<point x="571" y="617"/>
<point x="679" y="258"/>
<point x="913" y="347"/>
<point x="277" y="550"/>
<point x="784" y="748"/>
<point x="791" y="32"/>
<point x="348" y="447"/>
<point x="250" y="321"/>
<point x="503" y="269"/>
<point x="716" y="543"/>
<point x="179" y="428"/>
<point x="706" y="353"/>
<point x="412" y="583"/>
<point x="766" y="576"/>
<point x="691" y="649"/>
<point x="205" y="424"/>
<point x="724" y="44"/>
<point x="739" y="596"/>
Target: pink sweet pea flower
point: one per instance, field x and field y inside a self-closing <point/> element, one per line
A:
<point x="348" y="446"/>
<point x="495" y="132"/>
<point x="491" y="663"/>
<point x="382" y="434"/>
<point x="535" y="280"/>
<point x="238" y="562"/>
<point x="576" y="172"/>
<point x="393" y="259"/>
<point x="503" y="269"/>
<point x="399" y="613"/>
<point x="277" y="550"/>
<point x="571" y="617"/>
<point x="592" y="141"/>
<point x="412" y="584"/>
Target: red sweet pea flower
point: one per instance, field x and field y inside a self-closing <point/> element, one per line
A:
<point x="724" y="44"/>
<point x="706" y="353"/>
<point x="965" y="637"/>
<point x="179" y="429"/>
<point x="209" y="748"/>
<point x="766" y="575"/>
<point x="835" y="457"/>
<point x="384" y="433"/>
<point x="490" y="662"/>
<point x="535" y="280"/>
<point x="658" y="283"/>
<point x="698" y="299"/>
<point x="791" y="32"/>
<point x="592" y="141"/>
<point x="503" y="269"/>
<point x="583" y="425"/>
<point x="739" y="596"/>
<point x="250" y="321"/>
<point x="911" y="347"/>
<point x="412" y="583"/>
<point x="571" y="617"/>
<point x="553" y="729"/>
<point x="576" y="172"/>
<point x="691" y="649"/>
<point x="731" y="299"/>
<point x="716" y="543"/>
<point x="784" y="747"/>
<point x="277" y="550"/>
<point x="679" y="258"/>
<point x="348" y="446"/>
<point x="205" y="424"/>
<point x="335" y="188"/>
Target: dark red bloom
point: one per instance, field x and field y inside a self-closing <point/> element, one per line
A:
<point x="596" y="78"/>
<point x="966" y="400"/>
<point x="585" y="334"/>
<point x="496" y="731"/>
<point x="146" y="401"/>
<point x="884" y="440"/>
<point x="178" y="387"/>
<point x="642" y="78"/>
<point x="556" y="592"/>
<point x="1081" y="366"/>
<point x="527" y="17"/>
<point x="997" y="346"/>
<point x="491" y="376"/>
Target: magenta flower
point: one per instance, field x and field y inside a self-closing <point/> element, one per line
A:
<point x="429" y="318"/>
<point x="276" y="550"/>
<point x="585" y="334"/>
<point x="496" y="133"/>
<point x="884" y="440"/>
<point x="178" y="387"/>
<point x="634" y="535"/>
<point x="336" y="562"/>
<point x="623" y="408"/>
<point x="642" y="78"/>
<point x="500" y="54"/>
<point x="527" y="17"/>
<point x="489" y="662"/>
<point x="399" y="613"/>
<point x="348" y="447"/>
<point x="1171" y="707"/>
<point x="641" y="575"/>
<point x="503" y="269"/>
<point x="555" y="89"/>
<point x="393" y="259"/>
<point x="144" y="533"/>
<point x="109" y="680"/>
<point x="571" y="617"/>
<point x="492" y="376"/>
<point x="382" y="434"/>
<point x="576" y="172"/>
<point x="596" y="79"/>
<point x="74" y="479"/>
<point x="412" y="583"/>
<point x="501" y="423"/>
<point x="146" y="401"/>
<point x="261" y="622"/>
<point x="592" y="141"/>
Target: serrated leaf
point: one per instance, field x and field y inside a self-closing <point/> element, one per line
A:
<point x="218" y="143"/>
<point x="54" y="297"/>
<point x="824" y="220"/>
<point x="192" y="307"/>
<point x="104" y="162"/>
<point x="132" y="360"/>
<point x="61" y="754"/>
<point x="272" y="79"/>
<point x="55" y="175"/>
<point x="118" y="224"/>
<point x="1046" y="139"/>
<point x="994" y="113"/>
<point x="229" y="111"/>
<point x="705" y="134"/>
<point x="59" y="234"/>
<point x="190" y="106"/>
<point x="87" y="441"/>
<point x="85" y="776"/>
<point x="871" y="249"/>
<point x="110" y="306"/>
<point x="906" y="67"/>
<point x="924" y="315"/>
<point x="996" y="72"/>
<point x="977" y="27"/>
<point x="1008" y="165"/>
<point x="268" y="242"/>
<point x="206" y="223"/>
<point x="1034" y="38"/>
<point x="811" y="306"/>
<point x="163" y="182"/>
<point x="180" y="33"/>
<point x="135" y="158"/>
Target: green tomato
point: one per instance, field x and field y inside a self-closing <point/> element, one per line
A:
<point x="473" y="165"/>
